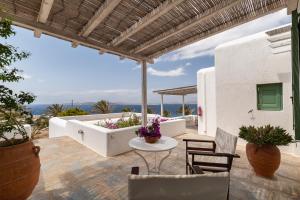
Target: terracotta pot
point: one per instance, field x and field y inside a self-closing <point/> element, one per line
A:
<point x="265" y="160"/>
<point x="19" y="170"/>
<point x="151" y="139"/>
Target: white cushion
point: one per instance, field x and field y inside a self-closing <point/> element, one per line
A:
<point x="212" y="186"/>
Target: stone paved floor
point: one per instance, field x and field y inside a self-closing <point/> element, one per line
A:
<point x="72" y="171"/>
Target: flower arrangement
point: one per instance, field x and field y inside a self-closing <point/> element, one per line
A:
<point x="133" y="120"/>
<point x="150" y="133"/>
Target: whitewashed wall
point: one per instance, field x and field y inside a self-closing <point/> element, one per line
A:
<point x="239" y="66"/>
<point x="206" y="99"/>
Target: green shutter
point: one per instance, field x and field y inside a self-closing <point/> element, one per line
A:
<point x="269" y="97"/>
<point x="295" y="73"/>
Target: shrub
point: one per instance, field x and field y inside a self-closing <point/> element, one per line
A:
<point x="133" y="120"/>
<point x="167" y="113"/>
<point x="13" y="112"/>
<point x="102" y="107"/>
<point x="127" y="109"/>
<point x="187" y="110"/>
<point x="54" y="110"/>
<point x="265" y="135"/>
<point x="72" y="112"/>
<point x="150" y="110"/>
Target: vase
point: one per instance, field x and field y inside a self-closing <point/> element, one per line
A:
<point x="19" y="170"/>
<point x="264" y="159"/>
<point x="151" y="140"/>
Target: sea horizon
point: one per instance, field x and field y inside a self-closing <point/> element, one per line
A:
<point x="40" y="108"/>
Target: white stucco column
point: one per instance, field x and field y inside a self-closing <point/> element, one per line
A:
<point x="183" y="111"/>
<point x="144" y="92"/>
<point x="162" y="105"/>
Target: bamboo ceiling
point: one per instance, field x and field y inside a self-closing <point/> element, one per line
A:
<point x="135" y="29"/>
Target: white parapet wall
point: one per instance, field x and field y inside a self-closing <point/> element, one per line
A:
<point x="104" y="141"/>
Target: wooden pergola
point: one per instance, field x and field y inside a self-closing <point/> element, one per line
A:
<point x="140" y="30"/>
<point x="179" y="91"/>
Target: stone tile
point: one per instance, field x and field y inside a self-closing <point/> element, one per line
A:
<point x="72" y="171"/>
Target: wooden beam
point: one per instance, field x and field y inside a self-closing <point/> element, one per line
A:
<point x="74" y="44"/>
<point x="148" y="19"/>
<point x="45" y="9"/>
<point x="291" y="6"/>
<point x="274" y="7"/>
<point x="105" y="9"/>
<point x="37" y="33"/>
<point x="101" y="51"/>
<point x="32" y="25"/>
<point x="188" y="24"/>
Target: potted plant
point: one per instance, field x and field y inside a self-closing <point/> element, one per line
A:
<point x="19" y="160"/>
<point x="261" y="149"/>
<point x="151" y="133"/>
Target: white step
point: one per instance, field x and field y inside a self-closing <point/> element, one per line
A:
<point x="279" y="37"/>
<point x="282" y="49"/>
<point x="280" y="43"/>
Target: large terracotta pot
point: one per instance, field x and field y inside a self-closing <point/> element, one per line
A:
<point x="19" y="170"/>
<point x="265" y="160"/>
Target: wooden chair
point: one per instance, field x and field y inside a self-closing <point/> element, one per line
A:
<point x="177" y="187"/>
<point x="216" y="158"/>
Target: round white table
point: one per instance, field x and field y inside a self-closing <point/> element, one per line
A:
<point x="163" y="144"/>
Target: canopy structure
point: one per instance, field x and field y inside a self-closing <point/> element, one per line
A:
<point x="180" y="91"/>
<point x="140" y="30"/>
<point x="135" y="29"/>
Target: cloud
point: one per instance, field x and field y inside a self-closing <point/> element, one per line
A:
<point x="93" y="92"/>
<point x="170" y="73"/>
<point x="26" y="76"/>
<point x="206" y="47"/>
<point x="113" y="91"/>
<point x="136" y="67"/>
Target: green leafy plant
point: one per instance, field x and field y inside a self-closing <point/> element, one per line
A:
<point x="102" y="107"/>
<point x="187" y="110"/>
<point x="54" y="110"/>
<point x="265" y="135"/>
<point x="167" y="113"/>
<point x="72" y="112"/>
<point x="13" y="113"/>
<point x="127" y="109"/>
<point x="150" y="110"/>
<point x="133" y="120"/>
<point x="38" y="125"/>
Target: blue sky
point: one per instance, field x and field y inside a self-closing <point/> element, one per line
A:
<point x="58" y="73"/>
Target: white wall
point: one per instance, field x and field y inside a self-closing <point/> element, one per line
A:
<point x="227" y="92"/>
<point x="106" y="142"/>
<point x="206" y="99"/>
<point x="240" y="66"/>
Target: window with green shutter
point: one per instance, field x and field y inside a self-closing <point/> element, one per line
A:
<point x="269" y="97"/>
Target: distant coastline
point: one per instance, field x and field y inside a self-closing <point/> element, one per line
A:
<point x="39" y="109"/>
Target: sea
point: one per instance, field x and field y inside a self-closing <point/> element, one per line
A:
<point x="40" y="109"/>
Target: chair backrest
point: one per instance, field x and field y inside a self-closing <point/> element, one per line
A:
<point x="225" y="142"/>
<point x="174" y="187"/>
